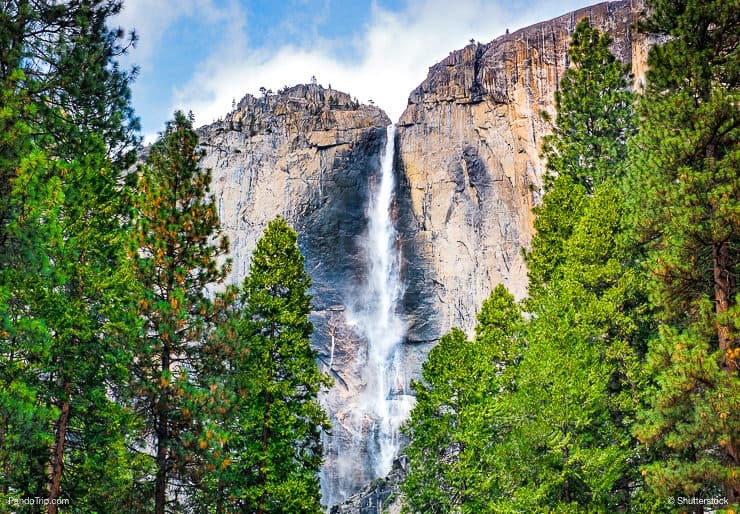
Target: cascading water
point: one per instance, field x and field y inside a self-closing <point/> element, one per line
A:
<point x="384" y="400"/>
<point x="383" y="404"/>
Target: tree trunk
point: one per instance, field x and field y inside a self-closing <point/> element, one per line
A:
<point x="160" y="488"/>
<point x="262" y="479"/>
<point x="724" y="285"/>
<point x="161" y="408"/>
<point x="57" y="466"/>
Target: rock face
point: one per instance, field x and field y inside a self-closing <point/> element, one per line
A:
<point x="380" y="496"/>
<point x="307" y="154"/>
<point x="469" y="167"/>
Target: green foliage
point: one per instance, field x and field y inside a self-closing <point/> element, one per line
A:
<point x="683" y="200"/>
<point x="178" y="245"/>
<point x="455" y="421"/>
<point x="594" y="113"/>
<point x="578" y="379"/>
<point x="271" y="450"/>
<point x="65" y="54"/>
<point x="567" y="444"/>
<point x="579" y="372"/>
<point x="554" y="223"/>
<point x="70" y="299"/>
<point x="65" y="284"/>
<point x="587" y="145"/>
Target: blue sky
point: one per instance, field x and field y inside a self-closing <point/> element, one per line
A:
<point x="200" y="55"/>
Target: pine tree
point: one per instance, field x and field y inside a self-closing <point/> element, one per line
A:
<point x="64" y="282"/>
<point x="576" y="382"/>
<point x="178" y="246"/>
<point x="587" y="146"/>
<point x="594" y="113"/>
<point x="65" y="343"/>
<point x="59" y="81"/>
<point x="579" y="375"/>
<point x="684" y="210"/>
<point x="272" y="452"/>
<point x="455" y="421"/>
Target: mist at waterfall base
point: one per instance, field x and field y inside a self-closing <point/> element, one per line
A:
<point x="384" y="404"/>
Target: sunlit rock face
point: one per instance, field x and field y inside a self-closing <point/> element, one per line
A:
<point x="469" y="166"/>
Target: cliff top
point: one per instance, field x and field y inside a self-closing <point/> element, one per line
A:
<point x="494" y="69"/>
<point x="299" y="97"/>
<point x="308" y="106"/>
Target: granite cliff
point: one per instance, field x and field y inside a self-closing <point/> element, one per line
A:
<point x="306" y="154"/>
<point x="469" y="166"/>
<point x="467" y="171"/>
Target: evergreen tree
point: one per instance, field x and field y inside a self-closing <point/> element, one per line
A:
<point x="65" y="342"/>
<point x="587" y="145"/>
<point x="271" y="451"/>
<point x="544" y="424"/>
<point x="594" y="113"/>
<point x="684" y="210"/>
<point x="59" y="81"/>
<point x="64" y="282"/>
<point x="178" y="247"/>
<point x="455" y="422"/>
<point x="578" y="378"/>
<point x="576" y="382"/>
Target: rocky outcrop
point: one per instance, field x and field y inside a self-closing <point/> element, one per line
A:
<point x="305" y="153"/>
<point x="469" y="166"/>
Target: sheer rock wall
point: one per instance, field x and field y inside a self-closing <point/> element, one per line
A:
<point x="469" y="166"/>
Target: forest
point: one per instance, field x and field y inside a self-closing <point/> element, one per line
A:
<point x="135" y="378"/>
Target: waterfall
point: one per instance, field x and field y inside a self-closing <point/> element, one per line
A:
<point x="371" y="436"/>
<point x="384" y="400"/>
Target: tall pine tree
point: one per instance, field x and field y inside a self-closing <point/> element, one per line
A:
<point x="587" y="146"/>
<point x="59" y="82"/>
<point x="65" y="286"/>
<point x="178" y="247"/>
<point x="684" y="210"/>
<point x="271" y="430"/>
<point x="576" y="381"/>
<point x="456" y="421"/>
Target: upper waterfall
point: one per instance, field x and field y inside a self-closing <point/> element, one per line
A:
<point x="373" y="314"/>
<point x="377" y="318"/>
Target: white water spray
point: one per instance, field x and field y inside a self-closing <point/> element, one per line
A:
<point x="384" y="402"/>
<point x="367" y="436"/>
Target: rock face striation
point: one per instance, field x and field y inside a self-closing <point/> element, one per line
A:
<point x="468" y="173"/>
<point x="469" y="167"/>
